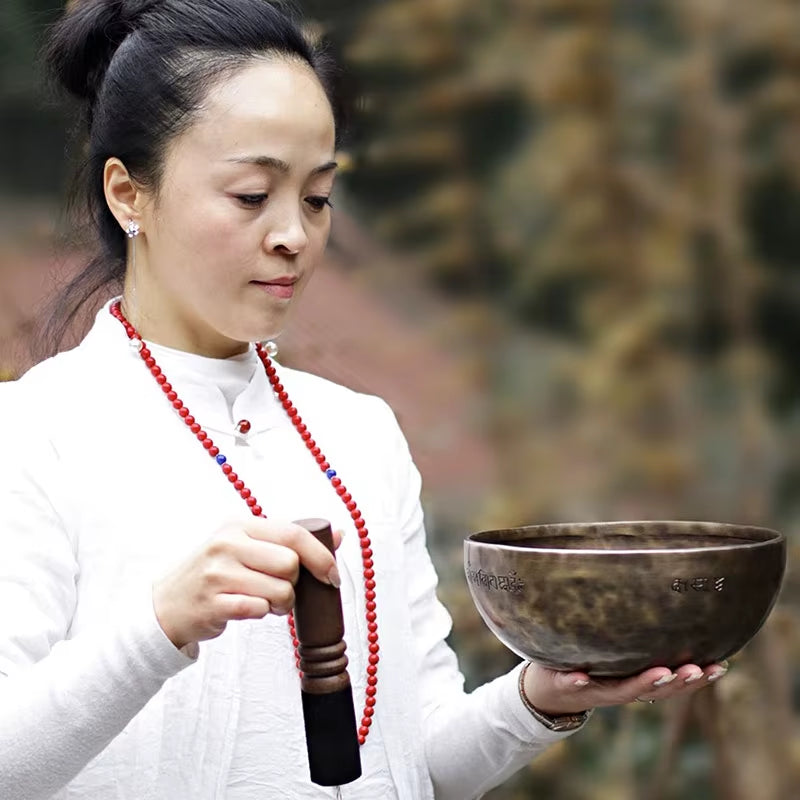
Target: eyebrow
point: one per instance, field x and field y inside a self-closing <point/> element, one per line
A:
<point x="278" y="165"/>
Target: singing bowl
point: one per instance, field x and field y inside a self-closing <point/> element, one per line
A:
<point x="615" y="598"/>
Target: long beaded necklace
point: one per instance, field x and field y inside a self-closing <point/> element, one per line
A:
<point x="255" y="509"/>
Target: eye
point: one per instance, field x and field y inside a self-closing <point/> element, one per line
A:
<point x="319" y="202"/>
<point x="251" y="200"/>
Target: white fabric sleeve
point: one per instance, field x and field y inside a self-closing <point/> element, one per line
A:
<point x="62" y="701"/>
<point x="473" y="742"/>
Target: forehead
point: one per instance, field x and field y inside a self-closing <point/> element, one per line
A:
<point x="274" y="107"/>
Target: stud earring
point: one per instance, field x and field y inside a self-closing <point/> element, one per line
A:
<point x="133" y="229"/>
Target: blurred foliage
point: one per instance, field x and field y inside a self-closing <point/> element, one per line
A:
<point x="611" y="193"/>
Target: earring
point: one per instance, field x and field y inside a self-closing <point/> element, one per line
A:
<point x="133" y="229"/>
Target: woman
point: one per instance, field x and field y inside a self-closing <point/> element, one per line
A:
<point x="150" y="474"/>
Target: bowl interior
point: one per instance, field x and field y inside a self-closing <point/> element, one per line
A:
<point x="628" y="536"/>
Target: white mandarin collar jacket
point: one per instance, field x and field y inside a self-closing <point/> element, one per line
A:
<point x="103" y="489"/>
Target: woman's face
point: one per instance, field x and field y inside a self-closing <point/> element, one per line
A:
<point x="241" y="217"/>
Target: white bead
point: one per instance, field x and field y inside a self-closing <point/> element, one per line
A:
<point x="136" y="344"/>
<point x="271" y="348"/>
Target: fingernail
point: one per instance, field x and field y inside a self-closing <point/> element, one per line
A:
<point x="665" y="680"/>
<point x="715" y="676"/>
<point x="695" y="676"/>
<point x="334" y="579"/>
<point x="581" y="682"/>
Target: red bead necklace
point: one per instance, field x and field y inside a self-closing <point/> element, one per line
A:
<point x="247" y="495"/>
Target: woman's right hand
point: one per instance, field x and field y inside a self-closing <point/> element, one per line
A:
<point x="245" y="571"/>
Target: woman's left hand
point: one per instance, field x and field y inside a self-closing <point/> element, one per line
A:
<point x="557" y="693"/>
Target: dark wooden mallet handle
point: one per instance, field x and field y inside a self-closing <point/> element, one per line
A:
<point x="330" y="720"/>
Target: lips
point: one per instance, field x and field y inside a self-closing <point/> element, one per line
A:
<point x="282" y="287"/>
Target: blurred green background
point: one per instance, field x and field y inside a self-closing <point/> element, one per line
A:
<point x="567" y="250"/>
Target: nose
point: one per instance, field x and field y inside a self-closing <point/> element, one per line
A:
<point x="287" y="234"/>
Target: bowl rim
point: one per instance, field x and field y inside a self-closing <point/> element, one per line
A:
<point x="772" y="537"/>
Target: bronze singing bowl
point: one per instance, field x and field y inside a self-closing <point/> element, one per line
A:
<point x="615" y="598"/>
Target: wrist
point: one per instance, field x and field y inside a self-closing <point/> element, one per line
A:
<point x="558" y="721"/>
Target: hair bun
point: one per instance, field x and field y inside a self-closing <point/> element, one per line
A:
<point x="82" y="43"/>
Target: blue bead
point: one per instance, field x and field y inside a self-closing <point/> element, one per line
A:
<point x="221" y="459"/>
<point x="331" y="473"/>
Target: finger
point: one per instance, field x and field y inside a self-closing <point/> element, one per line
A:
<point x="338" y="535"/>
<point x="688" y="674"/>
<point x="268" y="558"/>
<point x="646" y="686"/>
<point x="715" y="671"/>
<point x="278" y="592"/>
<point x="313" y="555"/>
<point x="236" y="606"/>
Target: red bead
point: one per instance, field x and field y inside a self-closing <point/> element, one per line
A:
<point x="189" y="420"/>
<point x="369" y="595"/>
<point x="277" y="387"/>
<point x="214" y="451"/>
<point x="341" y="491"/>
<point x="161" y="379"/>
<point x="366" y="722"/>
<point x="283" y="397"/>
<point x="336" y="482"/>
<point x="372" y="627"/>
<point x="369" y="574"/>
<point x="145" y="353"/>
<point x="243" y="426"/>
<point x="184" y="412"/>
<point x="372" y="680"/>
<point x="177" y="404"/>
<point x="362" y="739"/>
<point x="257" y="511"/>
<point x="370" y="701"/>
<point x="155" y="371"/>
<point x="371" y="616"/>
<point x="374" y="648"/>
<point x="360" y="523"/>
<point x="195" y="428"/>
<point x="369" y="711"/>
<point x="150" y="362"/>
<point x="347" y="497"/>
<point x="366" y="553"/>
<point x="367" y="563"/>
<point x="170" y="394"/>
<point x="296" y="420"/>
<point x="325" y="466"/>
<point x="370" y="690"/>
<point x="365" y="543"/>
<point x="251" y="501"/>
<point x="320" y="459"/>
<point x="372" y="638"/>
<point x="315" y="451"/>
<point x="371" y="670"/>
<point x="245" y="492"/>
<point x="370" y="606"/>
<point x="233" y="477"/>
<point x="303" y="430"/>
<point x="239" y="485"/>
<point x="227" y="469"/>
<point x="356" y="514"/>
<point x="362" y="732"/>
<point x="351" y="506"/>
<point x="295" y="643"/>
<point x="369" y="585"/>
<point x="201" y="435"/>
<point x="374" y="659"/>
<point x="208" y="444"/>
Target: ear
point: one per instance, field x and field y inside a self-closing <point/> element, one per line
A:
<point x="124" y="198"/>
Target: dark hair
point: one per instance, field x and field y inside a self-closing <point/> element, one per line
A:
<point x="142" y="69"/>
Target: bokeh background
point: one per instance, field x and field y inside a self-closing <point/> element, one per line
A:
<point x="567" y="250"/>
